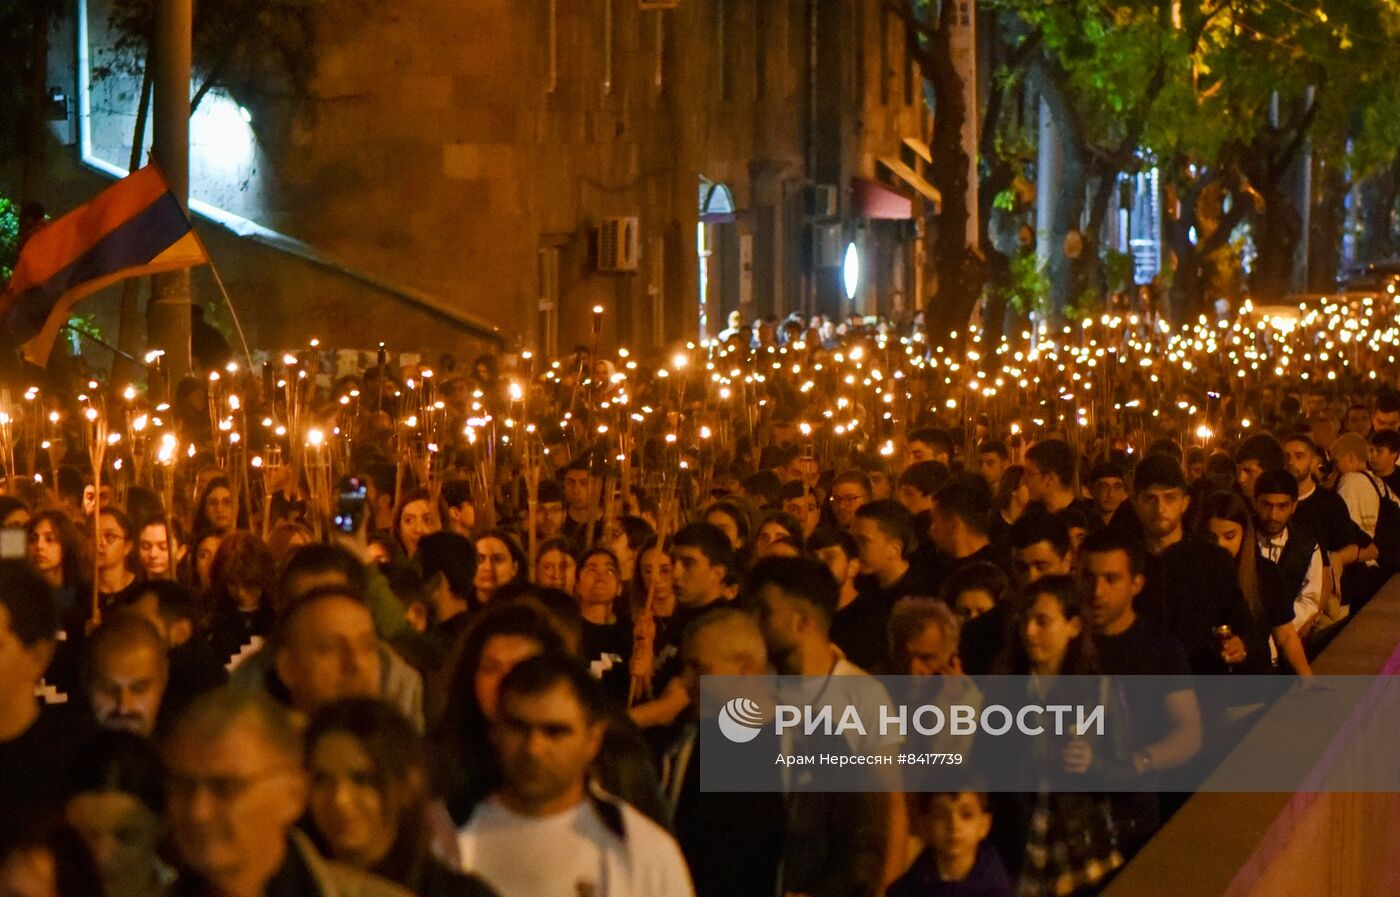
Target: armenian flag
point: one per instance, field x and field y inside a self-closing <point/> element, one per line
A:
<point x="133" y="228"/>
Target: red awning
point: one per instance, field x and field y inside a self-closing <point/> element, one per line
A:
<point x="872" y="199"/>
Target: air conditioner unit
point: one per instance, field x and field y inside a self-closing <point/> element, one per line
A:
<point x="824" y="201"/>
<point x="657" y="4"/>
<point x="827" y="245"/>
<point x="619" y="244"/>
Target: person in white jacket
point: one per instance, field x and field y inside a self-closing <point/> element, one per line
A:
<point x="1362" y="492"/>
<point x="545" y="832"/>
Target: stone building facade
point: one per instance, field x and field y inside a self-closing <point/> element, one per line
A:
<point x="449" y="179"/>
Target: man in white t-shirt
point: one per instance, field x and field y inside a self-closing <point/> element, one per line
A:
<point x="544" y="832"/>
<point x="1361" y="492"/>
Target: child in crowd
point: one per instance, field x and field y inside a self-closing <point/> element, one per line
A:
<point x="958" y="861"/>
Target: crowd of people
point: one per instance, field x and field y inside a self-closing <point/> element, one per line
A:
<point x="472" y="666"/>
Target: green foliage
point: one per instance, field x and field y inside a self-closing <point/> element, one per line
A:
<point x="1118" y="269"/>
<point x="1214" y="92"/>
<point x="1005" y="200"/>
<point x="85" y="324"/>
<point x="1030" y="288"/>
<point x="9" y="238"/>
<point x="1085" y="305"/>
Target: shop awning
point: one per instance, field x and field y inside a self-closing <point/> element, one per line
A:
<point x="911" y="177"/>
<point x="872" y="199"/>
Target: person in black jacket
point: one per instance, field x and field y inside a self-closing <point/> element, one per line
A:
<point x="1323" y="514"/>
<point x="1270" y="594"/>
<point x="885" y="538"/>
<point x="1294" y="550"/>
<point x="1191" y="588"/>
<point x="208" y="346"/>
<point x="732" y="841"/>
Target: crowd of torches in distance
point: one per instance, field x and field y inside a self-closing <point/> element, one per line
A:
<point x="664" y="425"/>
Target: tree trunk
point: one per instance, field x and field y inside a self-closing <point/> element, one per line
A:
<point x="1328" y="219"/>
<point x="1088" y="273"/>
<point x="1275" y="163"/>
<point x="1186" y="268"/>
<point x="1202" y="208"/>
<point x="1001" y="175"/>
<point x="1378" y="193"/>
<point x="1062" y="190"/>
<point x="1277" y="230"/>
<point x="959" y="281"/>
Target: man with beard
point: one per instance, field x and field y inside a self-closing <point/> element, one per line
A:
<point x="1165" y="713"/>
<point x="1323" y="515"/>
<point x="544" y="830"/>
<point x="1192" y="587"/>
<point x="1295" y="551"/>
<point x="126" y="673"/>
<point x="836" y="844"/>
<point x="1049" y="478"/>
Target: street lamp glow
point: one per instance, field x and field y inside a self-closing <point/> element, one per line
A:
<point x="850" y="270"/>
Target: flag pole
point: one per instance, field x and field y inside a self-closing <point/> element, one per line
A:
<point x="106" y="345"/>
<point x="228" y="301"/>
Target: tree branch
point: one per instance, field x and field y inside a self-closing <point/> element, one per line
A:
<point x="902" y="11"/>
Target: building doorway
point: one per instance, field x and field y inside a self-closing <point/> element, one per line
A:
<point x="714" y="231"/>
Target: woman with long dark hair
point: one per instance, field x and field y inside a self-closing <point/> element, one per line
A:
<point x="1224" y="518"/>
<point x="201" y="563"/>
<point x="555" y="566"/>
<point x="161" y="549"/>
<point x="415" y="517"/>
<point x="1063" y="841"/>
<point x="242" y="579"/>
<point x="1052" y="638"/>
<point x="500" y="562"/>
<point x="55" y="551"/>
<point x="499" y="638"/>
<point x="218" y="509"/>
<point x="369" y="798"/>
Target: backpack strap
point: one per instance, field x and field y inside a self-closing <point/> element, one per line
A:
<point x="1382" y="490"/>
